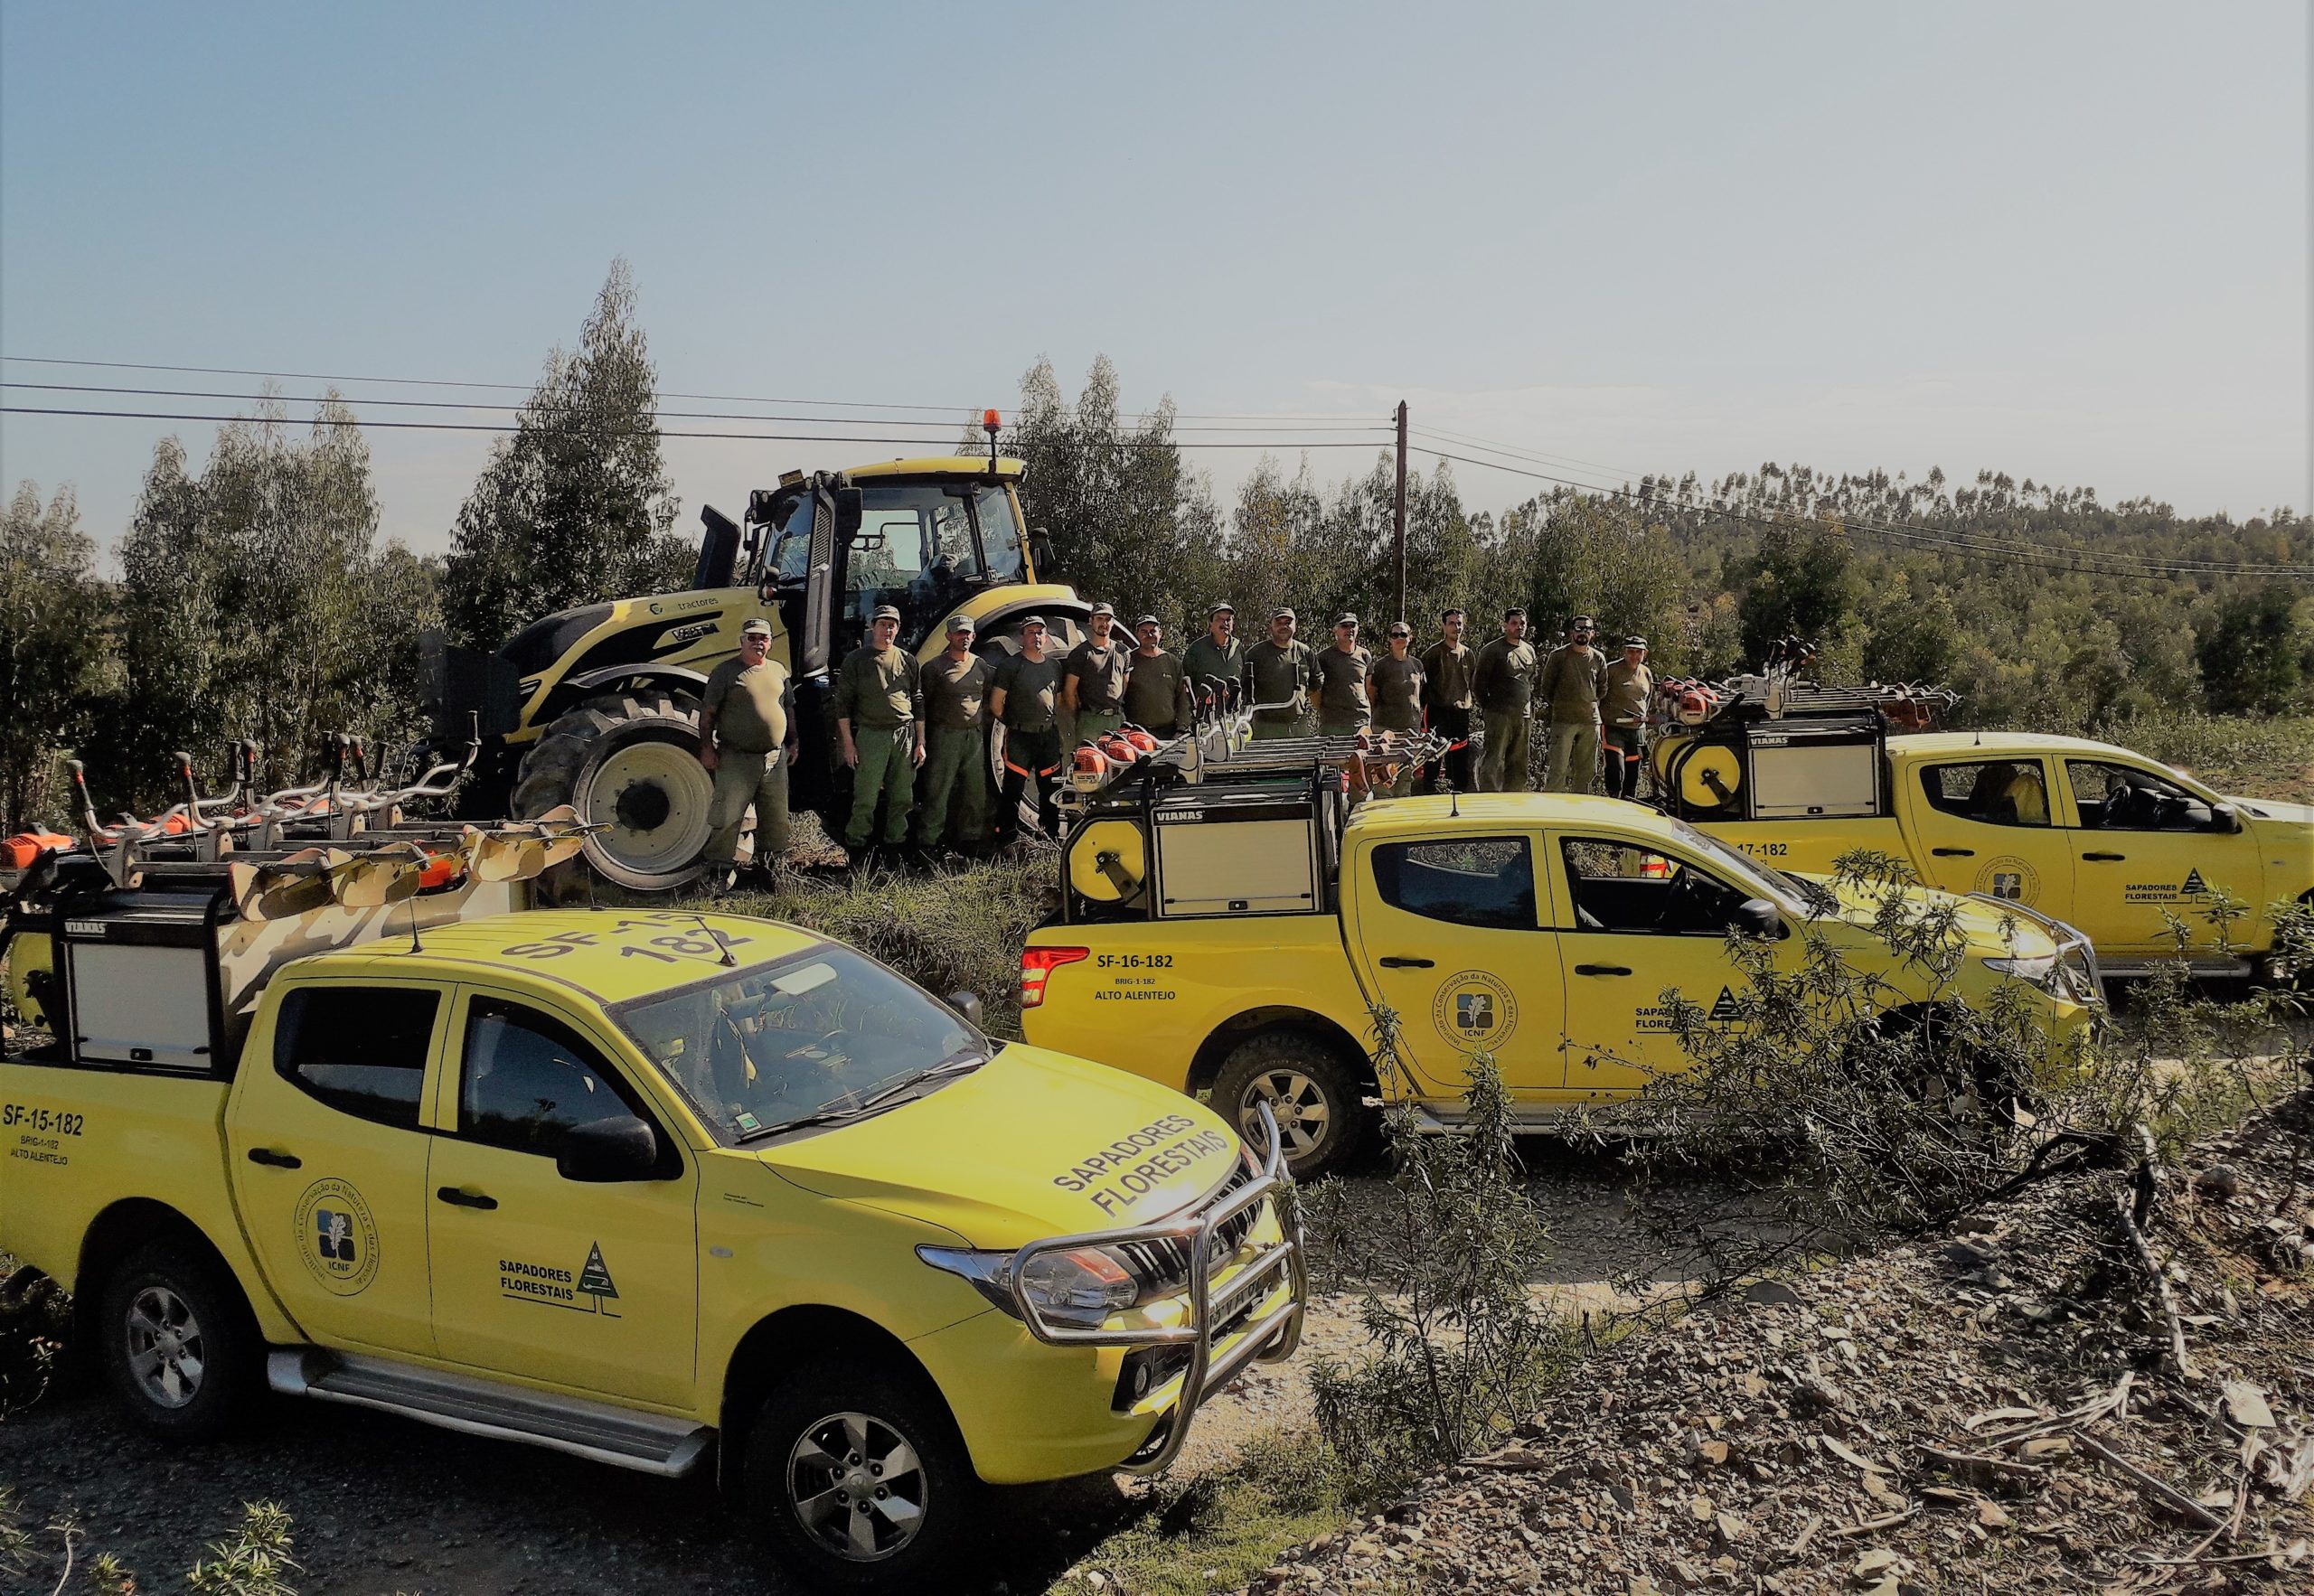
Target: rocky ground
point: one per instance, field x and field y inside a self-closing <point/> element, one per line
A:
<point x="1997" y="1409"/>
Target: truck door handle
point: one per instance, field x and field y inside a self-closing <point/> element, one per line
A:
<point x="1395" y="961"/>
<point x="465" y="1200"/>
<point x="1602" y="969"/>
<point x="1954" y="852"/>
<point x="2108" y="857"/>
<point x="276" y="1161"/>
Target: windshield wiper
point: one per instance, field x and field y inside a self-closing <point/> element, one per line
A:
<point x="961" y="1062"/>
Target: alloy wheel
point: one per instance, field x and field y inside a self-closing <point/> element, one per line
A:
<point x="1296" y="1102"/>
<point x="857" y="1486"/>
<point x="165" y="1352"/>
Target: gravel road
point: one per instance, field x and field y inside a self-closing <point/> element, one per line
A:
<point x="383" y="1505"/>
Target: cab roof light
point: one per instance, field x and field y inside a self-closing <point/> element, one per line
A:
<point x="1036" y="965"/>
<point x="991" y="421"/>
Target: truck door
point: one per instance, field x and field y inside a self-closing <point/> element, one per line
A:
<point x="1989" y="825"/>
<point x="328" y="1148"/>
<point x="1635" y="923"/>
<point x="588" y="1284"/>
<point x="1447" y="932"/>
<point x="2146" y="848"/>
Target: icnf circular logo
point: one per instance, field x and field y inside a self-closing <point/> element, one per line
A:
<point x="2010" y="878"/>
<point x="336" y="1236"/>
<point x="1474" y="1011"/>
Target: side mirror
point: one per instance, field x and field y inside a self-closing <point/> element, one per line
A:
<point x="1040" y="553"/>
<point x="967" y="1007"/>
<point x="2226" y="818"/>
<point x="606" y="1150"/>
<point x="1755" y="917"/>
<point x="850" y="510"/>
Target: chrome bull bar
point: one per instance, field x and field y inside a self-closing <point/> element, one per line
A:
<point x="1271" y="1338"/>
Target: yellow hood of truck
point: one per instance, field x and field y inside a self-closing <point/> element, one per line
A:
<point x="1982" y="923"/>
<point x="1031" y="1144"/>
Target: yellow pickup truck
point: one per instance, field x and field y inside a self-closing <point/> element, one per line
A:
<point x="669" y="1191"/>
<point x="2108" y="841"/>
<point x="1235" y="938"/>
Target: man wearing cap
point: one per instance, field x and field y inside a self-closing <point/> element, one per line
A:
<point x="879" y="722"/>
<point x="1279" y="670"/>
<point x="1572" y="682"/>
<point x="1217" y="656"/>
<point x="1394" y="685"/>
<point x="1023" y="699"/>
<point x="1630" y="685"/>
<point x="747" y="741"/>
<point x="955" y="765"/>
<point x="1156" y="693"/>
<point x="1093" y="679"/>
<point x="1448" y="666"/>
<point x="1343" y="707"/>
<point x="1502" y="682"/>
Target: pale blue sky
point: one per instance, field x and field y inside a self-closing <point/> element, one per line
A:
<point x="2067" y="241"/>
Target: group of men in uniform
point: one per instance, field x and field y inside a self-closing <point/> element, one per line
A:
<point x="917" y="738"/>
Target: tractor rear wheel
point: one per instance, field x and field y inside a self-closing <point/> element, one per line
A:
<point x="630" y="762"/>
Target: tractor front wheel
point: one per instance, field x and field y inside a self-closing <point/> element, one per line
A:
<point x="628" y="762"/>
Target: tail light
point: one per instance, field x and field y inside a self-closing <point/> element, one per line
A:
<point x="1039" y="963"/>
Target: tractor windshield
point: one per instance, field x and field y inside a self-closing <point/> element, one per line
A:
<point x="922" y="547"/>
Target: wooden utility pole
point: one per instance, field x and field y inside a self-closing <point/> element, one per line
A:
<point x="1398" y="513"/>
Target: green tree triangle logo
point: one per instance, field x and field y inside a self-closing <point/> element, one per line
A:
<point x="2194" y="883"/>
<point x="1724" y="1008"/>
<point x="595" y="1279"/>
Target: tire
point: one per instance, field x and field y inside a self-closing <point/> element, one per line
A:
<point x="629" y="761"/>
<point x="1318" y="1101"/>
<point x="177" y="1341"/>
<point x="793" y="1468"/>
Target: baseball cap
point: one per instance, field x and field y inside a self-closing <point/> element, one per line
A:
<point x="1282" y="614"/>
<point x="1147" y="621"/>
<point x="758" y="627"/>
<point x="1345" y="619"/>
<point x="1634" y="642"/>
<point x="1028" y="621"/>
<point x="1224" y="605"/>
<point x="1103" y="609"/>
<point x="962" y="624"/>
<point x="887" y="612"/>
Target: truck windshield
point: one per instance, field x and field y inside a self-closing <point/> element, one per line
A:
<point x="1754" y="877"/>
<point x="823" y="1034"/>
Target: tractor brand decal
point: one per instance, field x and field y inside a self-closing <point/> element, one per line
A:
<point x="336" y="1237"/>
<point x="524" y="1281"/>
<point x="2165" y="892"/>
<point x="676" y="636"/>
<point x="1474" y="1011"/>
<point x="1115" y="1176"/>
<point x="2011" y="878"/>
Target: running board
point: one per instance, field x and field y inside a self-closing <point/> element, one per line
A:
<point x="651" y="1443"/>
<point x="2196" y="969"/>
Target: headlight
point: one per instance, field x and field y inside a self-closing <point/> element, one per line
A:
<point x="2038" y="971"/>
<point x="1079" y="1287"/>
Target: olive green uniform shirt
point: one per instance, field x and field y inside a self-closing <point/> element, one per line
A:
<point x="1274" y="674"/>
<point x="1206" y="658"/>
<point x="878" y="689"/>
<point x="1628" y="690"/>
<point x="1572" y="685"/>
<point x="1341" y="685"/>
<point x="1394" y="687"/>
<point x="1157" y="696"/>
<point x="1100" y="674"/>
<point x="954" y="691"/>
<point x="1032" y="691"/>
<point x="1504" y="679"/>
<point x="1447" y="672"/>
<point x="750" y="703"/>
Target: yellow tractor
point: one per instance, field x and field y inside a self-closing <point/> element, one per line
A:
<point x="599" y="707"/>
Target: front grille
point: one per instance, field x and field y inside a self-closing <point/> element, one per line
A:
<point x="1163" y="1266"/>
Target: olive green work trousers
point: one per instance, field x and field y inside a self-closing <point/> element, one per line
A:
<point x="887" y="769"/>
<point x="955" y="767"/>
<point x="742" y="778"/>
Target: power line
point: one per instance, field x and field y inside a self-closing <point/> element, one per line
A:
<point x="943" y="411"/>
<point x="947" y="441"/>
<point x="2041" y="558"/>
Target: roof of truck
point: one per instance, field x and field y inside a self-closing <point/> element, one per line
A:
<point x="940" y="465"/>
<point x="1407" y="814"/>
<point x="610" y="956"/>
<point x="1935" y="743"/>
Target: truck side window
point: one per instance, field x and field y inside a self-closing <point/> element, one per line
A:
<point x="528" y="1078"/>
<point x="2122" y="798"/>
<point x="1483" y="881"/>
<point x="360" y="1050"/>
<point x="1993" y="792"/>
<point x="1619" y="887"/>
